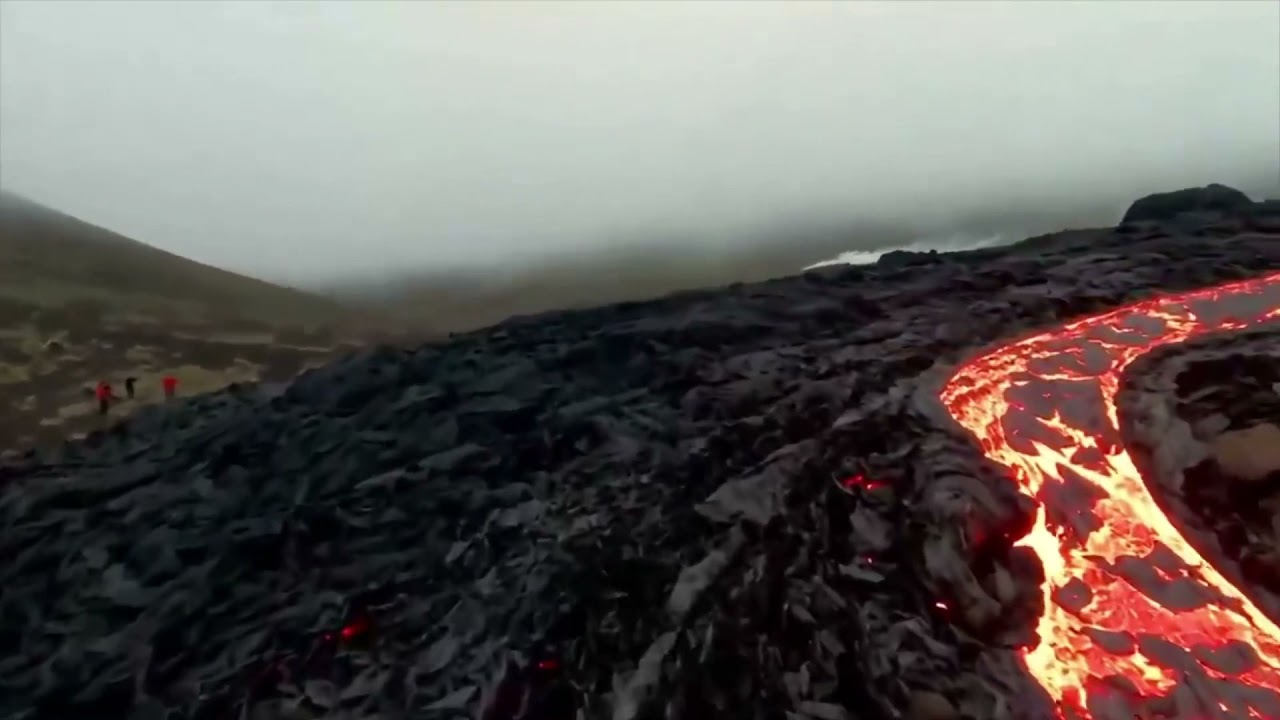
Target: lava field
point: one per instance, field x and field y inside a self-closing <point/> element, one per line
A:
<point x="969" y="485"/>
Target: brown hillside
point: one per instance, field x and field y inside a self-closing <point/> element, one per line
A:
<point x="79" y="304"/>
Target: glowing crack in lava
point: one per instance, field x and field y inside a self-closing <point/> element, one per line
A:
<point x="1132" y="610"/>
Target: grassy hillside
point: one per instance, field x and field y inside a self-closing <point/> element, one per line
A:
<point x="79" y="304"/>
<point x="53" y="260"/>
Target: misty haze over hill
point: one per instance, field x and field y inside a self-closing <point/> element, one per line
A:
<point x="322" y="143"/>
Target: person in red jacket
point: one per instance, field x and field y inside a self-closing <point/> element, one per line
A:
<point x="170" y="384"/>
<point x="103" y="393"/>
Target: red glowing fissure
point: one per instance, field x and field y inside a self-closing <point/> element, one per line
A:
<point x="863" y="482"/>
<point x="987" y="396"/>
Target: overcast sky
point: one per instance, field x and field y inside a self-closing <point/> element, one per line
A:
<point x="304" y="139"/>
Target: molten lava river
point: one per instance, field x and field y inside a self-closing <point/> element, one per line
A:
<point x="1136" y="622"/>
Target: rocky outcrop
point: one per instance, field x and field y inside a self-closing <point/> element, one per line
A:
<point x="717" y="502"/>
<point x="1203" y="419"/>
<point x="908" y="258"/>
<point x="1213" y="198"/>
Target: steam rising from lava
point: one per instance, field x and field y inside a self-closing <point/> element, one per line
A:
<point x="1135" y="614"/>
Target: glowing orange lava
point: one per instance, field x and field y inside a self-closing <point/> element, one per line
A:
<point x="1119" y="637"/>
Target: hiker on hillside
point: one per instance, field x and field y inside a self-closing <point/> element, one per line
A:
<point x="170" y="385"/>
<point x="128" y="386"/>
<point x="103" y="393"/>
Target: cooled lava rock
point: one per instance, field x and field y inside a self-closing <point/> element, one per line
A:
<point x="1226" y="391"/>
<point x="711" y="504"/>
<point x="1167" y="206"/>
<point x="907" y="258"/>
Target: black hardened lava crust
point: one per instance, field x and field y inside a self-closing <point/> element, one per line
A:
<point x="1233" y="379"/>
<point x="620" y="512"/>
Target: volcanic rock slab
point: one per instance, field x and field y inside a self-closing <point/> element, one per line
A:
<point x="1167" y="206"/>
<point x="717" y="504"/>
<point x="1205" y="415"/>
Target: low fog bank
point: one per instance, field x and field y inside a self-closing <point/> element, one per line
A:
<point x="788" y="244"/>
<point x="346" y="140"/>
<point x="464" y="299"/>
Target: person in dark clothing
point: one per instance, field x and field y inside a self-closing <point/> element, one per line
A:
<point x="170" y="384"/>
<point x="103" y="393"/>
<point x="128" y="386"/>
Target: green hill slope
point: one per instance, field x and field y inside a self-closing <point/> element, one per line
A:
<point x="80" y="304"/>
<point x="51" y="260"/>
